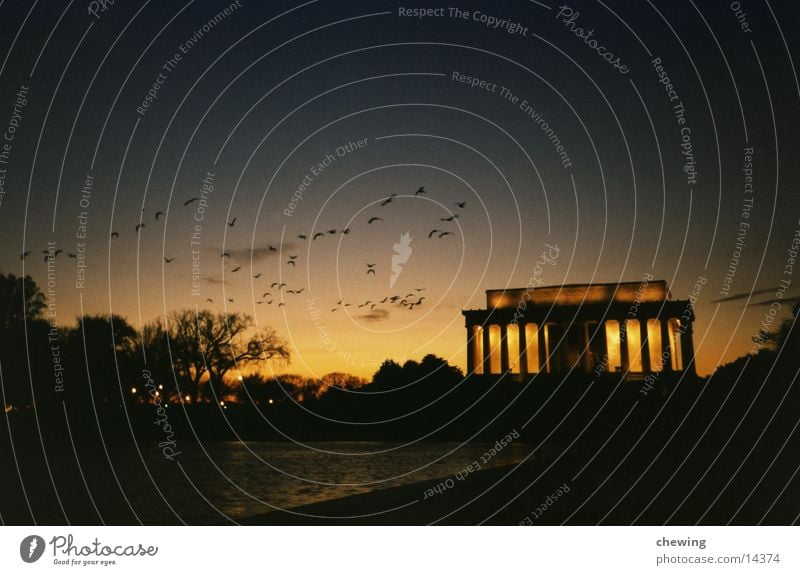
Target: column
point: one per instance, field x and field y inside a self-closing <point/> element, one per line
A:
<point x="471" y="335"/>
<point x="645" y="345"/>
<point x="523" y="349"/>
<point x="503" y="348"/>
<point x="687" y="346"/>
<point x="544" y="360"/>
<point x="666" y="345"/>
<point x="602" y="344"/>
<point x="587" y="349"/>
<point x="487" y="351"/>
<point x="624" y="356"/>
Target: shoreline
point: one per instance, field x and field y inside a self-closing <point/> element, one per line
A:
<point x="470" y="501"/>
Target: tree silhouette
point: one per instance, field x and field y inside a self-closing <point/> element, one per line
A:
<point x="21" y="307"/>
<point x="105" y="345"/>
<point x="774" y="340"/>
<point x="20" y="298"/>
<point x="206" y="346"/>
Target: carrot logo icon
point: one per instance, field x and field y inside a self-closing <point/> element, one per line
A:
<point x="31" y="548"/>
<point x="402" y="251"/>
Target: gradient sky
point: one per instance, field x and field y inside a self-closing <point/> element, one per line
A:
<point x="271" y="90"/>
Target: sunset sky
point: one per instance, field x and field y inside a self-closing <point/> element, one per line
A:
<point x="358" y="103"/>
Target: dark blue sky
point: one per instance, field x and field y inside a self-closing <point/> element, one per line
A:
<point x="272" y="89"/>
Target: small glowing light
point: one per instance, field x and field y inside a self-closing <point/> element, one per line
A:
<point x="187" y="398"/>
<point x="271" y="401"/>
<point x="222" y="403"/>
<point x="133" y="390"/>
<point x="157" y="394"/>
<point x="160" y="386"/>
<point x="240" y="377"/>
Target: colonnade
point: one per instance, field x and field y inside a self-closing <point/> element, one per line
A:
<point x="627" y="345"/>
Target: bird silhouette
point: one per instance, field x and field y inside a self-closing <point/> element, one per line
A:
<point x="419" y="289"/>
<point x="270" y="302"/>
<point x="260" y="302"/>
<point x="265" y="294"/>
<point x="230" y="299"/>
<point x="372" y="306"/>
<point x="461" y="204"/>
<point x="189" y="201"/>
<point x="331" y="232"/>
<point x="272" y="248"/>
<point x="302" y="237"/>
<point x="25" y="255"/>
<point x="159" y="214"/>
<point x="236" y="269"/>
<point x="258" y="275"/>
<point x="281" y="304"/>
<point x="168" y="260"/>
<point x="225" y="255"/>
<point x="318" y="235"/>
<point x="139" y="227"/>
<point x="334" y="309"/>
<point x="450" y="219"/>
<point x="231" y="223"/>
<point x="346" y="231"/>
<point x="443" y="234"/>
<point x="374" y="219"/>
<point x="209" y="300"/>
<point x="421" y="190"/>
<point x="430" y="235"/>
<point x="388" y="200"/>
<point x="114" y="234"/>
<point x="296" y="291"/>
<point x="291" y="261"/>
<point x="371" y="269"/>
<point x="273" y="284"/>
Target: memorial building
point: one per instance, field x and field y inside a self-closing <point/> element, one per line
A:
<point x="634" y="328"/>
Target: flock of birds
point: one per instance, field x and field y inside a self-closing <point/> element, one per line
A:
<point x="402" y="301"/>
<point x="408" y="301"/>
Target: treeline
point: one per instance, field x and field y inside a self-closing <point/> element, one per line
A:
<point x="210" y="368"/>
<point x="192" y="357"/>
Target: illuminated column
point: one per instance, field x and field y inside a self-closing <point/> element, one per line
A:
<point x="523" y="349"/>
<point x="471" y="335"/>
<point x="687" y="346"/>
<point x="645" y="342"/>
<point x="544" y="360"/>
<point x="487" y="350"/>
<point x="625" y="361"/>
<point x="666" y="345"/>
<point x="503" y="348"/>
<point x="602" y="343"/>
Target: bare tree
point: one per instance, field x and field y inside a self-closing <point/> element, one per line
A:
<point x="206" y="346"/>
